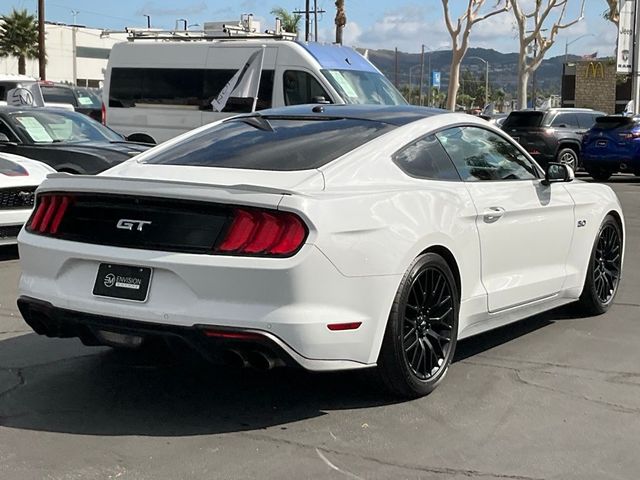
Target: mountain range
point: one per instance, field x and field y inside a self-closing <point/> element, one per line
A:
<point x="503" y="67"/>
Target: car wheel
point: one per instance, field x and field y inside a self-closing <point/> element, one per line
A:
<point x="422" y="330"/>
<point x="600" y="175"/>
<point x="569" y="157"/>
<point x="603" y="274"/>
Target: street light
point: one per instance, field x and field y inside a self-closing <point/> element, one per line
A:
<point x="567" y="43"/>
<point x="486" y="79"/>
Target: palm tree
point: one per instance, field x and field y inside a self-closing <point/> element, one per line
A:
<point x="340" y="20"/>
<point x="290" y="21"/>
<point x="19" y="37"/>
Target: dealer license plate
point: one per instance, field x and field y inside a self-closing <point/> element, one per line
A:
<point x="122" y="281"/>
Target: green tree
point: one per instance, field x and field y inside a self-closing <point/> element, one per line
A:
<point x="19" y="37"/>
<point x="290" y="21"/>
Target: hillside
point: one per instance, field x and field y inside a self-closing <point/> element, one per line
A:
<point x="503" y="67"/>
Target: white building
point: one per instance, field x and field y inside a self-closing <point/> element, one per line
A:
<point x="92" y="52"/>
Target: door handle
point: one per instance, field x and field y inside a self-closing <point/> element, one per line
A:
<point x="493" y="214"/>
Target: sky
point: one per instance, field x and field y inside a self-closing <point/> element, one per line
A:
<point x="370" y="23"/>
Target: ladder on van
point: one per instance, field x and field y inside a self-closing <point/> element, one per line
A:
<point x="246" y="28"/>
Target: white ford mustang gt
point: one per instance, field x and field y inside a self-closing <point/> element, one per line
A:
<point x="19" y="178"/>
<point x="329" y="237"/>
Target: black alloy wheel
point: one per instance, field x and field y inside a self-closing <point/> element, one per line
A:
<point x="605" y="268"/>
<point x="422" y="330"/>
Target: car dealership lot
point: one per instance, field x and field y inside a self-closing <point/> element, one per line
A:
<point x="551" y="397"/>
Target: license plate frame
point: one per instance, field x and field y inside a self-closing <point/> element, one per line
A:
<point x="123" y="282"/>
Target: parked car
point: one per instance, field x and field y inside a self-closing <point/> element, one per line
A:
<point x="331" y="237"/>
<point x="553" y="135"/>
<point x="82" y="99"/>
<point x="612" y="145"/>
<point x="19" y="178"/>
<point x="67" y="141"/>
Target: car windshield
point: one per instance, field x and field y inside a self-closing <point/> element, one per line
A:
<point x="271" y="143"/>
<point x="523" y="120"/>
<point x="61" y="127"/>
<point x="358" y="87"/>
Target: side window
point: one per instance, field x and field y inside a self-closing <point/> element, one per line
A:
<point x="567" y="119"/>
<point x="301" y="87"/>
<point x="216" y="80"/>
<point x="479" y="154"/>
<point x="426" y="158"/>
<point x="586" y="120"/>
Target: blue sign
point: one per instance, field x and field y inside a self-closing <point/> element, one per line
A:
<point x="435" y="79"/>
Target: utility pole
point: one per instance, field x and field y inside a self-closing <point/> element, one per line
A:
<point x="148" y="20"/>
<point x="396" y="70"/>
<point x="74" y="29"/>
<point x="307" y="23"/>
<point x="421" y="76"/>
<point x="42" y="57"/>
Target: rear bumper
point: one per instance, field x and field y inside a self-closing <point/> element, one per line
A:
<point x="290" y="300"/>
<point x="612" y="162"/>
<point x="11" y="221"/>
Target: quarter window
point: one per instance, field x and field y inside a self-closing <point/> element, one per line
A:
<point x="481" y="155"/>
<point x="426" y="159"/>
<point x="301" y="87"/>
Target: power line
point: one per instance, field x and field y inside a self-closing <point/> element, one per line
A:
<point x="307" y="12"/>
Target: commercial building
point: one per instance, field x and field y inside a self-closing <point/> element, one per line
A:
<point x="75" y="54"/>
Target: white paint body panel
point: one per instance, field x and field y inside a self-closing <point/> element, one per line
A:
<point x="37" y="172"/>
<point x="367" y="222"/>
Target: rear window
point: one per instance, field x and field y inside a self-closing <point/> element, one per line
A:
<point x="58" y="95"/>
<point x="523" y="120"/>
<point x="615" y="121"/>
<point x="272" y="143"/>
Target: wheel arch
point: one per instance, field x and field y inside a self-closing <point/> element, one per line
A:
<point x="568" y="143"/>
<point x="448" y="256"/>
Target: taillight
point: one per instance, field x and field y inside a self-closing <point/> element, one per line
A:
<point x="263" y="232"/>
<point x="48" y="214"/>
<point x="630" y="135"/>
<point x="104" y="114"/>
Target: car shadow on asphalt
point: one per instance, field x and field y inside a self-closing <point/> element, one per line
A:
<point x="61" y="386"/>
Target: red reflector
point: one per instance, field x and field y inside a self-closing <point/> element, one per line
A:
<point x="227" y="335"/>
<point x="53" y="204"/>
<point x="104" y="114"/>
<point x="64" y="203"/>
<point x="39" y="214"/>
<point x="344" y="326"/>
<point x="292" y="236"/>
<point x="240" y="232"/>
<point x="268" y="231"/>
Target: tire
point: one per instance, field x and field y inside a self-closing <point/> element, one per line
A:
<point x="603" y="274"/>
<point x="600" y="175"/>
<point x="413" y="332"/>
<point x="569" y="157"/>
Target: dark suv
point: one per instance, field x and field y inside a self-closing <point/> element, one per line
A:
<point x="82" y="99"/>
<point x="553" y="135"/>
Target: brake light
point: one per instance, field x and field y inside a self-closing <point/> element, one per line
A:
<point x="263" y="232"/>
<point x="49" y="213"/>
<point x="104" y="114"/>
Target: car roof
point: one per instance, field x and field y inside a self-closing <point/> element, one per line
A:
<point x="397" y="115"/>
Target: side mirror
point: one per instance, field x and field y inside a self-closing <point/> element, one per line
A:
<point x="558" y="172"/>
<point x="562" y="125"/>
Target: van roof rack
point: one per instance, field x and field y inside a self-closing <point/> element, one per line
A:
<point x="245" y="29"/>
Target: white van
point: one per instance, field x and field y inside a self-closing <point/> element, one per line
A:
<point x="155" y="90"/>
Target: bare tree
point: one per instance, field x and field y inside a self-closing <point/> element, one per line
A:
<point x="611" y="13"/>
<point x="546" y="14"/>
<point x="460" y="38"/>
<point x="340" y="20"/>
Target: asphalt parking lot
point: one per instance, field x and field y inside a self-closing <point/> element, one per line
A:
<point x="552" y="397"/>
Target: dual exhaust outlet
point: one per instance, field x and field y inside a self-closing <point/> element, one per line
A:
<point x="256" y="359"/>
